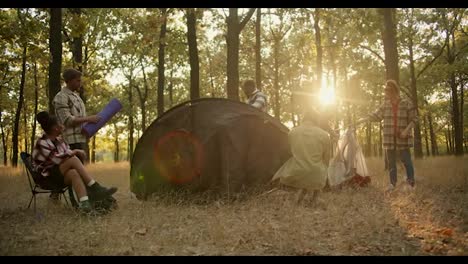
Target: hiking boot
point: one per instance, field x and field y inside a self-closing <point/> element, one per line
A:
<point x="98" y="192"/>
<point x="85" y="207"/>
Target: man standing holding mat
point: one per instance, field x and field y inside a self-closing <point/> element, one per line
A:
<point x="71" y="112"/>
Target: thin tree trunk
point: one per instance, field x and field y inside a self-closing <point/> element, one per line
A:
<point x="418" y="153"/>
<point x="161" y="66"/>
<point x="25" y="127"/>
<point x="426" y="136"/>
<point x="142" y="97"/>
<point x="170" y="87"/>
<point x="277" y="109"/>
<point x="14" y="161"/>
<point x="130" y="122"/>
<point x="116" y="143"/>
<point x="368" y="139"/>
<point x="447" y="141"/>
<point x="36" y="103"/>
<point x="318" y="44"/>
<point x="55" y="46"/>
<point x="434" y="147"/>
<point x="258" y="55"/>
<point x="5" y="147"/>
<point x="193" y="54"/>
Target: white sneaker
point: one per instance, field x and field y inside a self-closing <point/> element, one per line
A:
<point x="390" y="187"/>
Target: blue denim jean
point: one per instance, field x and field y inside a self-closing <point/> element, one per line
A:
<point x="405" y="157"/>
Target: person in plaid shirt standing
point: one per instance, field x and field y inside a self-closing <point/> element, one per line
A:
<point x="399" y="117"/>
<point x="71" y="112"/>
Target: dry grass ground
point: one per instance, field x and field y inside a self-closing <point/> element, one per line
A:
<point x="431" y="220"/>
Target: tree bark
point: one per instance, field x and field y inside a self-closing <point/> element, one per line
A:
<point x="55" y="46"/>
<point x="130" y="121"/>
<point x="458" y="131"/>
<point x="14" y="161"/>
<point x="258" y="55"/>
<point x="277" y="109"/>
<point x="193" y="54"/>
<point x="161" y="66"/>
<point x="143" y="97"/>
<point x="234" y="28"/>
<point x="318" y="44"/>
<point x="390" y="43"/>
<point x="36" y="103"/>
<point x="418" y="153"/>
<point x="25" y="127"/>
<point x="434" y="148"/>
<point x="426" y="136"/>
<point x="116" y="143"/>
<point x="77" y="50"/>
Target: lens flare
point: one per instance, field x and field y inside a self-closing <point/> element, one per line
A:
<point x="178" y="156"/>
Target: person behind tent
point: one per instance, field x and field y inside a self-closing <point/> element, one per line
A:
<point x="310" y="148"/>
<point x="399" y="117"/>
<point x="255" y="97"/>
<point x="53" y="159"/>
<point x="71" y="111"/>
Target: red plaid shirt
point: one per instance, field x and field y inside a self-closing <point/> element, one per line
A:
<point x="48" y="153"/>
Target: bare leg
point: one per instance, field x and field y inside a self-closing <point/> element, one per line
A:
<point x="75" y="163"/>
<point x="72" y="177"/>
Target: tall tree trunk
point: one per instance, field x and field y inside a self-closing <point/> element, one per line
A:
<point x="77" y="50"/>
<point x="368" y="139"/>
<point x="458" y="131"/>
<point x="25" y="127"/>
<point x="447" y="141"/>
<point x="116" y="143"/>
<point x="234" y="28"/>
<point x="390" y="43"/>
<point x="14" y="161"/>
<point x="318" y="44"/>
<point x="161" y="66"/>
<point x="170" y="88"/>
<point x="130" y="122"/>
<point x="434" y="148"/>
<point x="5" y="147"/>
<point x="233" y="54"/>
<point x="93" y="150"/>
<point x="450" y="139"/>
<point x="36" y="103"/>
<point x="426" y="136"/>
<point x="258" y="55"/>
<point x="193" y="54"/>
<point x="380" y="140"/>
<point x="55" y="46"/>
<point x="142" y="97"/>
<point x="277" y="109"/>
<point x="418" y="153"/>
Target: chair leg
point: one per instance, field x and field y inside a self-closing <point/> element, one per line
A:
<point x="34" y="204"/>
<point x="30" y="201"/>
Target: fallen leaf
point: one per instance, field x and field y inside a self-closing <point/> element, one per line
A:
<point x="141" y="232"/>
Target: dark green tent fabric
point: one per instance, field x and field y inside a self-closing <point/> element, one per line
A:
<point x="208" y="144"/>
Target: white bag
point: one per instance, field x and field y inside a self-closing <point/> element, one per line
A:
<point x="348" y="157"/>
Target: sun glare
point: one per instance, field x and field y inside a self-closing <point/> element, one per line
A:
<point x="327" y="95"/>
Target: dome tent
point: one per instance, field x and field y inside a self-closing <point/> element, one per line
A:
<point x="208" y="144"/>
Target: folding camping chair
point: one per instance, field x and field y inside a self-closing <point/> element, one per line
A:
<point x="38" y="186"/>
